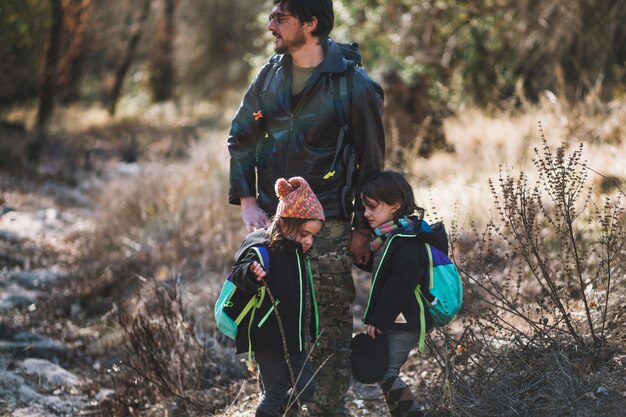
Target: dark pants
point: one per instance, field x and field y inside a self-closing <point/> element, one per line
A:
<point x="277" y="381"/>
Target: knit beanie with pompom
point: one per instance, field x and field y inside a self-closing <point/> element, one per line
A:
<point x="297" y="200"/>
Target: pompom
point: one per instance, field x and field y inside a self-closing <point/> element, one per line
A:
<point x="295" y="182"/>
<point x="282" y="188"/>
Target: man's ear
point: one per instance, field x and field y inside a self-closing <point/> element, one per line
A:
<point x="311" y="25"/>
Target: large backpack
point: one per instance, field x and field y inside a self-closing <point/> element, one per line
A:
<point x="444" y="295"/>
<point x="342" y="94"/>
<point x="231" y="308"/>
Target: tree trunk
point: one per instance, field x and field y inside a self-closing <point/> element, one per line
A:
<point x="71" y="66"/>
<point x="47" y="79"/>
<point x="162" y="76"/>
<point x="133" y="41"/>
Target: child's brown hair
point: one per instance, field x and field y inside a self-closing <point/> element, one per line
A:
<point x="391" y="187"/>
<point x="275" y="231"/>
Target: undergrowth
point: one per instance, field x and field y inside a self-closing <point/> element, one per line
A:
<point x="542" y="294"/>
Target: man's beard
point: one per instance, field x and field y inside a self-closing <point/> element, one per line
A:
<point x="290" y="47"/>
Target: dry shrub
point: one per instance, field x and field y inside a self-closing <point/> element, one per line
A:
<point x="161" y="219"/>
<point x="555" y="234"/>
<point x="533" y="382"/>
<point x="166" y="353"/>
<point x="543" y="284"/>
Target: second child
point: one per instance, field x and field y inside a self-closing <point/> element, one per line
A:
<point x="299" y="218"/>
<point x="398" y="264"/>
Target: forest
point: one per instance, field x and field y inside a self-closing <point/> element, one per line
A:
<point x="507" y="116"/>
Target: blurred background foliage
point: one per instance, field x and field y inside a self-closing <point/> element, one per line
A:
<point x="432" y="56"/>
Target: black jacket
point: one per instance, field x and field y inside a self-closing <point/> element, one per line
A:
<point x="288" y="142"/>
<point x="289" y="281"/>
<point x="403" y="266"/>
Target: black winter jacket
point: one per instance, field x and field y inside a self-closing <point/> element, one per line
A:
<point x="289" y="281"/>
<point x="403" y="266"/>
<point x="288" y="142"/>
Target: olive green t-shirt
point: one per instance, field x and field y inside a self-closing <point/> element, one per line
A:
<point x="299" y="78"/>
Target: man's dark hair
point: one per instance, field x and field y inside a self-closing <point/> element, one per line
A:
<point x="305" y="10"/>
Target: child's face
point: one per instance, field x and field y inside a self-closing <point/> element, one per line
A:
<point x="304" y="234"/>
<point x="378" y="212"/>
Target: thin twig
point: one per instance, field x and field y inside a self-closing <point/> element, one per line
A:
<point x="283" y="337"/>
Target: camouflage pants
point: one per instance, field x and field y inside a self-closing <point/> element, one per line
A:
<point x="331" y="264"/>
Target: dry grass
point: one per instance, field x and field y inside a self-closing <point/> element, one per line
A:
<point x="456" y="184"/>
<point x="163" y="219"/>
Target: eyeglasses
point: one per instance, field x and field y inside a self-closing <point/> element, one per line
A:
<point x="278" y="18"/>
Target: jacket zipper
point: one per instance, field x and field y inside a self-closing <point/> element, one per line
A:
<point x="313" y="297"/>
<point x="292" y="116"/>
<point x="301" y="303"/>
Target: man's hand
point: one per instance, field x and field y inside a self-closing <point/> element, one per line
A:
<point x="360" y="247"/>
<point x="253" y="216"/>
<point x="257" y="270"/>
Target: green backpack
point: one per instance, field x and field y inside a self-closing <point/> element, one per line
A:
<point x="228" y="312"/>
<point x="444" y="295"/>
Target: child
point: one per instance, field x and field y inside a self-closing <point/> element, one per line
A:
<point x="289" y="236"/>
<point x="399" y="265"/>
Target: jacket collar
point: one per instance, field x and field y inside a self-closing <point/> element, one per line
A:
<point x="333" y="59"/>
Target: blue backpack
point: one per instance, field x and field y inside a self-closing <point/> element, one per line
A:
<point x="229" y="312"/>
<point x="445" y="290"/>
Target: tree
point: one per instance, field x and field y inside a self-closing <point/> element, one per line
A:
<point x="71" y="65"/>
<point x="129" y="53"/>
<point x="48" y="79"/>
<point x="23" y="33"/>
<point x="162" y="73"/>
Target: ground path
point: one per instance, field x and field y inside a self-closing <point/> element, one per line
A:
<point x="54" y="362"/>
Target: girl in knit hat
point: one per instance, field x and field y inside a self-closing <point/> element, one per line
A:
<point x="288" y="308"/>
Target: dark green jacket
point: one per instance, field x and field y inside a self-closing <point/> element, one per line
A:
<point x="301" y="141"/>
<point x="290" y="282"/>
<point x="402" y="267"/>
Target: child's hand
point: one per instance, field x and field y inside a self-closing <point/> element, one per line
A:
<point x="257" y="270"/>
<point x="373" y="331"/>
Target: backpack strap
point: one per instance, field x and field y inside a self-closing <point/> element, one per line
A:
<point x="342" y="93"/>
<point x="266" y="78"/>
<point x="341" y="86"/>
<point x="420" y="297"/>
<point x="257" y="300"/>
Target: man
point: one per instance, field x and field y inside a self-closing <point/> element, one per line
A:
<point x="287" y="125"/>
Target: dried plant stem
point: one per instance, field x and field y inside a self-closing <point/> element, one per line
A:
<point x="234" y="400"/>
<point x="284" y="340"/>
